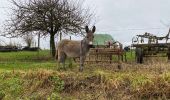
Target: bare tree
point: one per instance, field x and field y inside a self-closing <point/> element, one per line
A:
<point x="28" y="39"/>
<point x="49" y="17"/>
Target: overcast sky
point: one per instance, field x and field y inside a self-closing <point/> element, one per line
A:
<point x="123" y="19"/>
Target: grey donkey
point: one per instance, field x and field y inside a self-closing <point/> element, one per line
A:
<point x="74" y="49"/>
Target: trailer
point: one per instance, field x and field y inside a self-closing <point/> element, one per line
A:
<point x="104" y="55"/>
<point x="152" y="48"/>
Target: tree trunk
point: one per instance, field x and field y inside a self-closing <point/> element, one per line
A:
<point x="60" y="36"/>
<point x="38" y="41"/>
<point x="52" y="45"/>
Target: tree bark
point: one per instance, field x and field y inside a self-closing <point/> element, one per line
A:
<point x="52" y="45"/>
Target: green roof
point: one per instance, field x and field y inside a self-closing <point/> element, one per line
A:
<point x="100" y="39"/>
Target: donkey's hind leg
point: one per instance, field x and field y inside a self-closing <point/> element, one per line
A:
<point x="62" y="59"/>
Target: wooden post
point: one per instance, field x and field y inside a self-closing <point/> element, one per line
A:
<point x="38" y="45"/>
<point x="121" y="52"/>
<point x="110" y="58"/>
<point x="131" y="50"/>
<point x="96" y="58"/>
<point x="119" y="62"/>
<point x="168" y="54"/>
<point x="125" y="57"/>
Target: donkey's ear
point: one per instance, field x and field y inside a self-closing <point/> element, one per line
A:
<point x="94" y="29"/>
<point x="87" y="29"/>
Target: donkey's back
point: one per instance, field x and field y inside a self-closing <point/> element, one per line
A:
<point x="69" y="48"/>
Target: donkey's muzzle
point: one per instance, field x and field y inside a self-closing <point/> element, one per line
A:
<point x="90" y="43"/>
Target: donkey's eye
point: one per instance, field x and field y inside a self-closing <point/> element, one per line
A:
<point x="87" y="37"/>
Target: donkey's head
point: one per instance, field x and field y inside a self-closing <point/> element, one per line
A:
<point x="90" y="35"/>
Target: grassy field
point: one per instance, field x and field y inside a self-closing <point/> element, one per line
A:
<point x="24" y="60"/>
<point x="36" y="76"/>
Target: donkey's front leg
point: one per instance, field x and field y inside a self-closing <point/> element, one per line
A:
<point x="82" y="59"/>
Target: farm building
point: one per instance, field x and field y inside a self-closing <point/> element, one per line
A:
<point x="102" y="39"/>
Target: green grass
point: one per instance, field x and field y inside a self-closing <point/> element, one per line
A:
<point x="32" y="60"/>
<point x="130" y="56"/>
<point x="26" y="86"/>
<point x="26" y="65"/>
<point x="24" y="55"/>
<point x="21" y="75"/>
<point x="29" y="75"/>
<point x="24" y="60"/>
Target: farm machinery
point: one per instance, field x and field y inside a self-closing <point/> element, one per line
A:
<point x="105" y="50"/>
<point x="152" y="47"/>
<point x="104" y="54"/>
